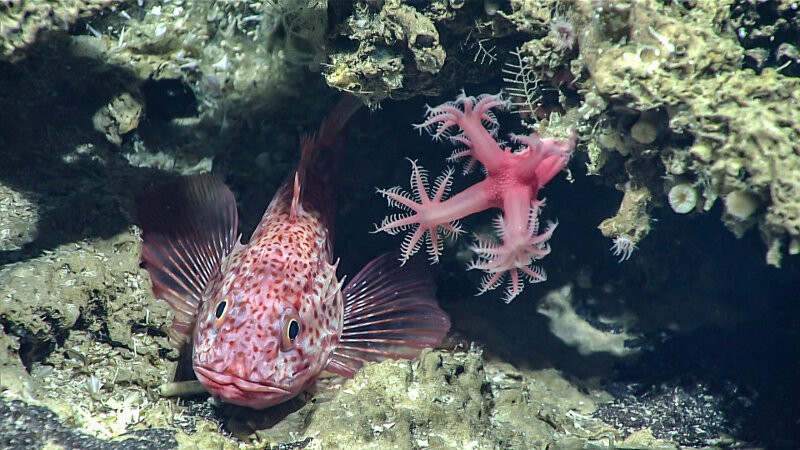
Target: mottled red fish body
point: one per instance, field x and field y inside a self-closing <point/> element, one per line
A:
<point x="266" y="317"/>
<point x="282" y="276"/>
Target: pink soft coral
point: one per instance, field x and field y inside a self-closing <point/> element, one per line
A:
<point x="513" y="179"/>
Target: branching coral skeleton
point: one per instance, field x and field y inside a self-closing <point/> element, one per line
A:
<point x="524" y="87"/>
<point x="512" y="183"/>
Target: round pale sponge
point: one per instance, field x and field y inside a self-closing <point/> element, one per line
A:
<point x="741" y="204"/>
<point x="682" y="198"/>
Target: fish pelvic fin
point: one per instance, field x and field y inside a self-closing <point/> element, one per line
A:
<point x="390" y="312"/>
<point x="188" y="228"/>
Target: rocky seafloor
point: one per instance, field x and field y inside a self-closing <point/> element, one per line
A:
<point x="691" y="342"/>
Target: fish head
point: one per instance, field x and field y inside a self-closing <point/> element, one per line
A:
<point x="262" y="338"/>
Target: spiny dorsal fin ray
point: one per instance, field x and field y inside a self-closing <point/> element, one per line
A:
<point x="295" y="197"/>
<point x="390" y="312"/>
<point x="189" y="226"/>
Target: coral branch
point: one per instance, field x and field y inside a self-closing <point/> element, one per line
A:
<point x="428" y="215"/>
<point x="512" y="183"/>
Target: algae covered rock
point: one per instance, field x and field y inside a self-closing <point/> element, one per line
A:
<point x="395" y="43"/>
<point x="397" y="49"/>
<point x="47" y="296"/>
<point x="236" y="57"/>
<point x="454" y="400"/>
<point x="84" y="323"/>
<point x="83" y="349"/>
<point x="739" y="128"/>
<point x="21" y="21"/>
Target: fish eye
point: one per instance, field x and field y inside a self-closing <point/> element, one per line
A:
<point x="293" y="330"/>
<point x="221" y="308"/>
<point x="290" y="329"/>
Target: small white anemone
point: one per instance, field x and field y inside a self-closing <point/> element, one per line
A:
<point x="682" y="198"/>
<point x="623" y="247"/>
<point x="563" y="33"/>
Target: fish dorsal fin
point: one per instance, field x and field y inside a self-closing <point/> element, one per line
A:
<point x="319" y="158"/>
<point x="390" y="312"/>
<point x="295" y="197"/>
<point x="189" y="227"/>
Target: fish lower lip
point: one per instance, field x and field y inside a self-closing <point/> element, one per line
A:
<point x="227" y="380"/>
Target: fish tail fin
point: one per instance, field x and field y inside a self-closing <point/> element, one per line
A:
<point x="320" y="157"/>
<point x="390" y="312"/>
<point x="189" y="226"/>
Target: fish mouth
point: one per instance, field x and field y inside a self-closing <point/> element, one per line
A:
<point x="208" y="376"/>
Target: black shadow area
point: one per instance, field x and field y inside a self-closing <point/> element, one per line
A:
<point x="50" y="150"/>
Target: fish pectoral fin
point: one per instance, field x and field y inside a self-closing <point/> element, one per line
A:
<point x="189" y="227"/>
<point x="390" y="312"/>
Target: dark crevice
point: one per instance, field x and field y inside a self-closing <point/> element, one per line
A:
<point x="168" y="99"/>
<point x="33" y="348"/>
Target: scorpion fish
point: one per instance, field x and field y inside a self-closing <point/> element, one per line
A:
<point x="266" y="318"/>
